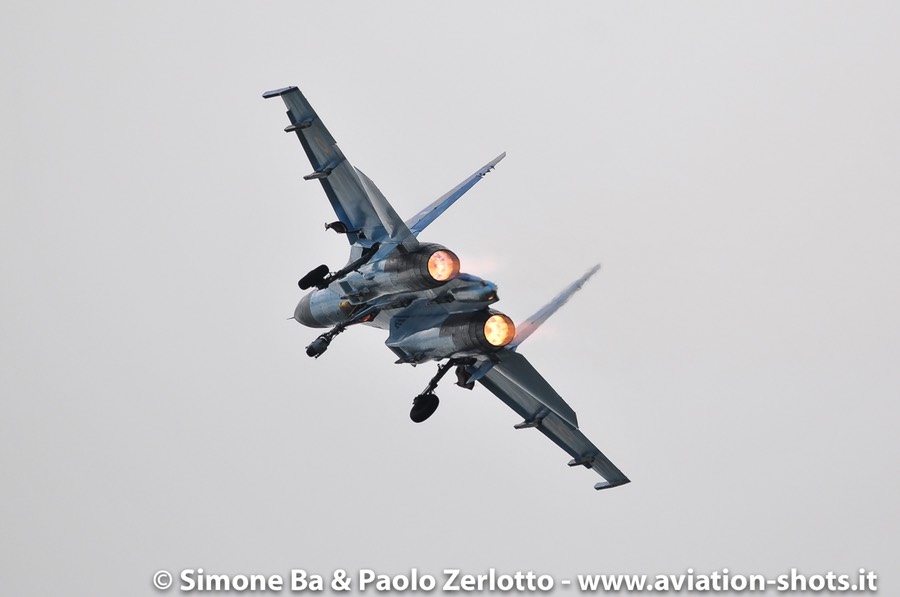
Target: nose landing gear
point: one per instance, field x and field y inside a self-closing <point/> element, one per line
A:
<point x="318" y="346"/>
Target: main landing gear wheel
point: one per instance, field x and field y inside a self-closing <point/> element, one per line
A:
<point x="424" y="406"/>
<point x="313" y="278"/>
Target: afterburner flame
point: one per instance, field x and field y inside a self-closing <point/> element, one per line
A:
<point x="499" y="330"/>
<point x="443" y="265"/>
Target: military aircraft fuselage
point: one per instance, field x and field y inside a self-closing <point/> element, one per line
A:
<point x="387" y="293"/>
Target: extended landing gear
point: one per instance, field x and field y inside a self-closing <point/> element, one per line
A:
<point x="313" y="278"/>
<point x="318" y="346"/>
<point x="427" y="402"/>
<point x="320" y="277"/>
<point x="423" y="407"/>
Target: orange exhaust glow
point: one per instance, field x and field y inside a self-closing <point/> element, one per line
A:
<point x="499" y="330"/>
<point x="443" y="265"/>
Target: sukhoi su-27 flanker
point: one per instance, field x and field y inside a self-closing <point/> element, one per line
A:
<point x="416" y="291"/>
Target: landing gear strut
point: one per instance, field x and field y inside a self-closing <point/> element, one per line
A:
<point x="313" y="278"/>
<point x="427" y="402"/>
<point x="318" y="346"/>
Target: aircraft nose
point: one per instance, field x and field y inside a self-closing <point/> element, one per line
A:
<point x="303" y="313"/>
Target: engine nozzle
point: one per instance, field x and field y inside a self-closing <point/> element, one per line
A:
<point x="499" y="330"/>
<point x="443" y="265"/>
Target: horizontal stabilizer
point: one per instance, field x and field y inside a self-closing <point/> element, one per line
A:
<point x="527" y="327"/>
<point x="360" y="207"/>
<point x="418" y="222"/>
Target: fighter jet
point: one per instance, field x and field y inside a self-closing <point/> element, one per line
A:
<point x="417" y="292"/>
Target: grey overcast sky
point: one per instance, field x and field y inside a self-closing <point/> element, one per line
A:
<point x="735" y="167"/>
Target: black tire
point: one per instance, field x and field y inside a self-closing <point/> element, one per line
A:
<point x="317" y="348"/>
<point x="313" y="278"/>
<point x="423" y="407"/>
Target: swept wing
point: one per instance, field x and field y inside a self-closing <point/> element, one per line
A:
<point x="418" y="222"/>
<point x="527" y="327"/>
<point x="514" y="381"/>
<point x="359" y="205"/>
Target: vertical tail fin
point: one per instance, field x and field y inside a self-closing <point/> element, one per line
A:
<point x="527" y="327"/>
<point x="418" y="222"/>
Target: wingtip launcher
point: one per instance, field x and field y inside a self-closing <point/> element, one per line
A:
<point x="278" y="92"/>
<point x="608" y="485"/>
